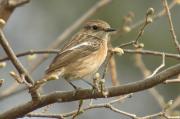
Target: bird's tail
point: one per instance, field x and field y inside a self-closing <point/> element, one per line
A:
<point x="46" y="78"/>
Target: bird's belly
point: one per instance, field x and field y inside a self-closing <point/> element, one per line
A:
<point x="85" y="66"/>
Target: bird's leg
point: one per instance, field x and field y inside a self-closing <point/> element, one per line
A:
<point x="76" y="89"/>
<point x="72" y="84"/>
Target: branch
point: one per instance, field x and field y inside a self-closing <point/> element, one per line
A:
<point x="31" y="52"/>
<point x="157" y="16"/>
<point x="68" y="96"/>
<point x="128" y="28"/>
<point x="155" y="53"/>
<point x="132" y="116"/>
<point x="22" y="71"/>
<point x="175" y="81"/>
<point x="172" y="31"/>
<point x="146" y="73"/>
<point x="8" y="6"/>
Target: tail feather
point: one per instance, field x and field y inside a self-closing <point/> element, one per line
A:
<point x="48" y="77"/>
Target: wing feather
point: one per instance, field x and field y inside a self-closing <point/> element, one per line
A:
<point x="86" y="45"/>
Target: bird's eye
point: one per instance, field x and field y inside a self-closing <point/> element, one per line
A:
<point x="95" y="27"/>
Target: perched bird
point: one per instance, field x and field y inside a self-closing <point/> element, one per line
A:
<point x="83" y="54"/>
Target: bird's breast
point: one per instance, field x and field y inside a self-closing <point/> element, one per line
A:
<point x="89" y="64"/>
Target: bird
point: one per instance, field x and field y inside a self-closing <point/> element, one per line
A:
<point x="83" y="54"/>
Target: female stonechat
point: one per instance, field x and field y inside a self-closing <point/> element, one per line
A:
<point x="83" y="54"/>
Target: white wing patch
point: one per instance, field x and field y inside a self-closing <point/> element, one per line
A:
<point x="80" y="45"/>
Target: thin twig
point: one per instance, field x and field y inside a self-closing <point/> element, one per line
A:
<point x="175" y="81"/>
<point x="103" y="105"/>
<point x="146" y="72"/>
<point x="22" y="71"/>
<point x="171" y="117"/>
<point x="165" y="4"/>
<point x="126" y="44"/>
<point x="159" y="67"/>
<point x="59" y="116"/>
<point x="141" y="22"/>
<point x="156" y="16"/>
<point x="108" y="106"/>
<point x="93" y="106"/>
<point x="31" y="52"/>
<point x="146" y="22"/>
<point x="7" y="7"/>
<point x="176" y="103"/>
<point x="149" y="52"/>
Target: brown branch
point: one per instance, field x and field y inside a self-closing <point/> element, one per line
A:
<point x="69" y="114"/>
<point x="165" y="4"/>
<point x="31" y="52"/>
<point x="8" y="6"/>
<point x="68" y="96"/>
<point x="155" y="53"/>
<point x="22" y="71"/>
<point x="175" y="81"/>
<point x="146" y="73"/>
<point x="133" y="116"/>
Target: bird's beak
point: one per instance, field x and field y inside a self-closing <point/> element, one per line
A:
<point x="110" y="29"/>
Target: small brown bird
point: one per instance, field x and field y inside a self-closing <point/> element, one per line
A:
<point x="83" y="54"/>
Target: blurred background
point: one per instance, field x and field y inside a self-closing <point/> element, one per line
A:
<point x="38" y="23"/>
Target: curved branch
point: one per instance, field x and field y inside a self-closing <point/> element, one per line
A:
<point x="68" y="96"/>
<point x="31" y="52"/>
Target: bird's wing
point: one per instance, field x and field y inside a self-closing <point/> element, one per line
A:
<point x="74" y="50"/>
